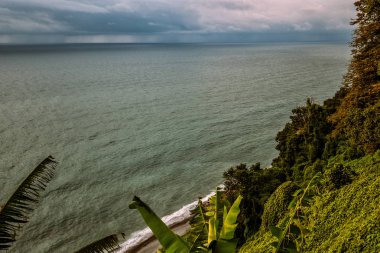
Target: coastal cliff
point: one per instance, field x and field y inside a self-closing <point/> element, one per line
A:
<point x="321" y="193"/>
<point x="330" y="153"/>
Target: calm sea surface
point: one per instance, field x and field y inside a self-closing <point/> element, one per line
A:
<point x="159" y="121"/>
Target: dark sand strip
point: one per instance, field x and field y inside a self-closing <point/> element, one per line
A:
<point x="151" y="244"/>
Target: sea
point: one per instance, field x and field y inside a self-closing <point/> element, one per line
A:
<point x="159" y="121"/>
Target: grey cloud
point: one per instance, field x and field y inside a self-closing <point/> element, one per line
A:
<point x="229" y="5"/>
<point x="172" y="19"/>
<point x="55" y="5"/>
<point x="46" y="17"/>
<point x="270" y="15"/>
<point x="23" y="22"/>
<point x="121" y="23"/>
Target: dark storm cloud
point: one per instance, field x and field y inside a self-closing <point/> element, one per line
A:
<point x="122" y="23"/>
<point x="17" y="18"/>
<point x="170" y="20"/>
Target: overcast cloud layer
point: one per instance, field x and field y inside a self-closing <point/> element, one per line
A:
<point x="56" y="21"/>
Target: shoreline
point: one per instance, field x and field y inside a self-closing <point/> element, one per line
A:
<point x="144" y="241"/>
<point x="151" y="244"/>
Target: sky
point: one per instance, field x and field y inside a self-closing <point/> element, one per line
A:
<point x="149" y="21"/>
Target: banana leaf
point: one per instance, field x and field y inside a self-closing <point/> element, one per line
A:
<point x="171" y="242"/>
<point x="229" y="225"/>
<point x="224" y="213"/>
<point x="198" y="232"/>
<point x="211" y="230"/>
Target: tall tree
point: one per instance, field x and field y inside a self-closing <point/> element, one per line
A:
<point x="357" y="117"/>
<point x="365" y="64"/>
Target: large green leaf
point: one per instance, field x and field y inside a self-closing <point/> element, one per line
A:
<point x="198" y="232"/>
<point x="22" y="203"/>
<point x="224" y="213"/>
<point x="211" y="230"/>
<point x="229" y="225"/>
<point x="171" y="242"/>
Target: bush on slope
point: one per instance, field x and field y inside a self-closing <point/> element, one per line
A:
<point x="344" y="219"/>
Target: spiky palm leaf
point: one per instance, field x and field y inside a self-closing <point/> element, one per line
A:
<point x="107" y="244"/>
<point x="16" y="211"/>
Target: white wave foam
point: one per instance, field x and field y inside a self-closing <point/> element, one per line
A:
<point x="182" y="214"/>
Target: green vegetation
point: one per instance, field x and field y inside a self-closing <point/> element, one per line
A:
<point x="347" y="219"/>
<point x="320" y="195"/>
<point x="213" y="230"/>
<point x="330" y="153"/>
<point x="357" y="116"/>
<point x="303" y="140"/>
<point x="292" y="231"/>
<point x="15" y="213"/>
<point x="255" y="185"/>
<point x="21" y="204"/>
<point x="338" y="220"/>
<point x="277" y="205"/>
<point x="168" y="239"/>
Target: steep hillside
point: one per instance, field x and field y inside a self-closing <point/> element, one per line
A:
<point x="343" y="218"/>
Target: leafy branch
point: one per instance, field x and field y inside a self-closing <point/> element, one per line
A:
<point x="22" y="203"/>
<point x="291" y="236"/>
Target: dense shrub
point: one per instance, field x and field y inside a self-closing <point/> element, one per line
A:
<point x="357" y="119"/>
<point x="310" y="171"/>
<point x="303" y="140"/>
<point x="277" y="205"/>
<point x="348" y="152"/>
<point x="255" y="185"/>
<point x="338" y="176"/>
<point x="362" y="128"/>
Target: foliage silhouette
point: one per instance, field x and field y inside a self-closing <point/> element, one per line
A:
<point x="22" y="203"/>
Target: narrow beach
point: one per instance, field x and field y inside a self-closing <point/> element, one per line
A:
<point x="151" y="244"/>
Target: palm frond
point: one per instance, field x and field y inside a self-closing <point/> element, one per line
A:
<point x="107" y="244"/>
<point x="16" y="211"/>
